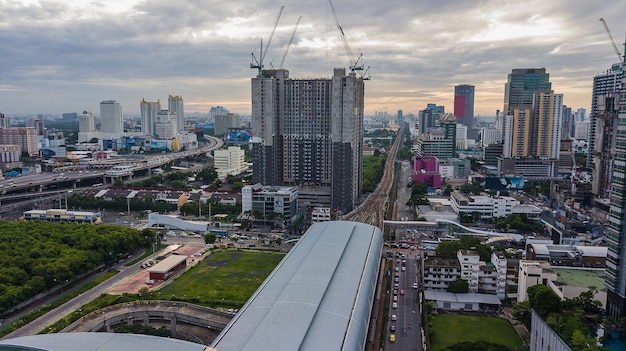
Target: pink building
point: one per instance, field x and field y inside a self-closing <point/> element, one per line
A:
<point x="426" y="171"/>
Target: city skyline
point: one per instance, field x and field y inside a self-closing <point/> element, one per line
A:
<point x="69" y="56"/>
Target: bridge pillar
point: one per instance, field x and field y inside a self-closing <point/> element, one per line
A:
<point x="173" y="325"/>
<point x="146" y="319"/>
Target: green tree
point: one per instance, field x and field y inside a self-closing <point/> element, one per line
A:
<point x="210" y="238"/>
<point x="476" y="346"/>
<point x="521" y="311"/>
<point x="543" y="300"/>
<point x="458" y="286"/>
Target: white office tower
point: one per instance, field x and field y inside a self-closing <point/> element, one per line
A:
<point x="149" y="110"/>
<point x="87" y="127"/>
<point x="175" y="104"/>
<point x="112" y="123"/>
<point x="490" y="136"/>
<point x="86" y="122"/>
<point x="165" y="127"/>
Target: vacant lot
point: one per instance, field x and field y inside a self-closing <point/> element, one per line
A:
<point x="224" y="278"/>
<point x="450" y="329"/>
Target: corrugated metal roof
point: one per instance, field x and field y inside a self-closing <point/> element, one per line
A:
<point x="318" y="298"/>
<point x="100" y="342"/>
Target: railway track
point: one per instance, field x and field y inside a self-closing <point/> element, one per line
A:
<point x="371" y="211"/>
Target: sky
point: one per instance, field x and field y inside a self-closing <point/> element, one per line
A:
<point x="68" y="55"/>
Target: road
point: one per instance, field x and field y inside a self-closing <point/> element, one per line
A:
<point x="408" y="316"/>
<point x="51" y="317"/>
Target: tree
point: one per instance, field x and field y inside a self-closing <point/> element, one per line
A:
<point x="458" y="286"/>
<point x="521" y="311"/>
<point x="448" y="190"/>
<point x="543" y="300"/>
<point x="476" y="346"/>
<point x="210" y="238"/>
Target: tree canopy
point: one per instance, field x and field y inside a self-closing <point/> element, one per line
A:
<point x="450" y="248"/>
<point x="39" y="255"/>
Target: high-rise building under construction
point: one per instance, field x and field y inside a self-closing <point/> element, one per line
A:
<point x="308" y="132"/>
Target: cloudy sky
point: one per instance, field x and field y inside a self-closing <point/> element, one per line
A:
<point x="68" y="55"/>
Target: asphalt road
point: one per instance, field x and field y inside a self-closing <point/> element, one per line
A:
<point x="53" y="316"/>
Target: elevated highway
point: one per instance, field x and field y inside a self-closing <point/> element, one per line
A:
<point x="445" y="225"/>
<point x="147" y="312"/>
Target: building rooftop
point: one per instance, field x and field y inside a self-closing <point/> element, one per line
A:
<point x="167" y="264"/>
<point x="319" y="297"/>
<point x="97" y="342"/>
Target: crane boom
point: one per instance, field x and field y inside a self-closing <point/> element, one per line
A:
<point x="258" y="63"/>
<point x="354" y="64"/>
<point x="273" y="31"/>
<point x="290" y="41"/>
<point x="606" y="28"/>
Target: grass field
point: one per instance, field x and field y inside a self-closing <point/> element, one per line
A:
<point x="224" y="278"/>
<point x="450" y="329"/>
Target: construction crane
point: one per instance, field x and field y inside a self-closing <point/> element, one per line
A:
<point x="355" y="65"/>
<point x="258" y="63"/>
<point x="290" y="41"/>
<point x="606" y="28"/>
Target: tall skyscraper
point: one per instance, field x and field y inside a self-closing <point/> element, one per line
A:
<point x="464" y="107"/>
<point x="605" y="116"/>
<point x="149" y="110"/>
<point x="86" y="122"/>
<point x="112" y="123"/>
<point x="605" y="83"/>
<point x="569" y="124"/>
<point x="165" y="127"/>
<point x="175" y="104"/>
<point x="536" y="132"/>
<point x="521" y="86"/>
<point x="399" y="118"/>
<point x="429" y="117"/>
<point x="615" y="273"/>
<point x="309" y="133"/>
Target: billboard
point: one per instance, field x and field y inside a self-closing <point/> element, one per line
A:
<point x="504" y="183"/>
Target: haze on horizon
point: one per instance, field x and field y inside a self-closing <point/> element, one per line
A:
<point x="67" y="56"/>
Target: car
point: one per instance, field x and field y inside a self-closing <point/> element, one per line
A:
<point x="396" y="286"/>
<point x="398" y="260"/>
<point x="397" y="274"/>
<point x="403" y="269"/>
<point x="392" y="337"/>
<point x="397" y="269"/>
<point x="401" y="291"/>
<point x="395" y="298"/>
<point x="397" y="280"/>
<point x="392" y="328"/>
<point x="394" y="318"/>
<point x="394" y="305"/>
<point x="395" y="292"/>
<point x="414" y="286"/>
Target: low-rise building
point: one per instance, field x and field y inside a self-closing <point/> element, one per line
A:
<point x="489" y="207"/>
<point x="267" y="201"/>
<point x="62" y="215"/>
<point x="568" y="255"/>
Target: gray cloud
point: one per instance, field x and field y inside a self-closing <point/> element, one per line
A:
<point x="59" y="58"/>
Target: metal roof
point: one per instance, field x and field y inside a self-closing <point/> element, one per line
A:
<point x="167" y="264"/>
<point x="318" y="298"/>
<point x="98" y="342"/>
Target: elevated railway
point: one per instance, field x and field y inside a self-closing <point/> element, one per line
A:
<point x="372" y="210"/>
